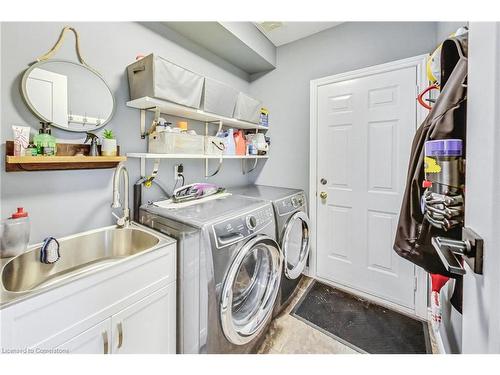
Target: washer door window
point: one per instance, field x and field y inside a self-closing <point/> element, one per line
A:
<point x="295" y="244"/>
<point x="250" y="289"/>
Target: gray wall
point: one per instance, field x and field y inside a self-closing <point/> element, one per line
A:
<point x="65" y="202"/>
<point x="285" y="90"/>
<point x="445" y="29"/>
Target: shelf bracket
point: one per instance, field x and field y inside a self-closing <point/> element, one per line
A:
<point x="219" y="123"/>
<point x="216" y="171"/>
<point x="255" y="162"/>
<point x="144" y="133"/>
<point x="143" y="124"/>
<point x="154" y="172"/>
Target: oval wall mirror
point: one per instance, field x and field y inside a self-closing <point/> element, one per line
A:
<point x="69" y="94"/>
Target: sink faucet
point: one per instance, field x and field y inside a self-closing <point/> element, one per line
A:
<point x="124" y="220"/>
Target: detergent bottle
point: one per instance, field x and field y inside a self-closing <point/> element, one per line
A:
<point x="239" y="141"/>
<point x="230" y="145"/>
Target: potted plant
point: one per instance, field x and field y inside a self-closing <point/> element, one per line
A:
<point x="108" y="146"/>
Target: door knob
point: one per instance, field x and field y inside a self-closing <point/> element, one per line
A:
<point x="323" y="195"/>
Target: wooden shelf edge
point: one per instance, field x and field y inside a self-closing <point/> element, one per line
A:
<point x="63" y="159"/>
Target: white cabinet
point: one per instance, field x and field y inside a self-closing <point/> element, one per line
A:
<point x="145" y="327"/>
<point x="95" y="340"/>
<point x="148" y="326"/>
<point x="129" y="307"/>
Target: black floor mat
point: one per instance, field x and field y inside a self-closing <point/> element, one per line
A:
<point x="361" y="324"/>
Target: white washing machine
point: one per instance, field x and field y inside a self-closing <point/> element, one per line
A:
<point x="292" y="232"/>
<point x="229" y="271"/>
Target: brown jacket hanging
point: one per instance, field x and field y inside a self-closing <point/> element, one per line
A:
<point x="447" y="119"/>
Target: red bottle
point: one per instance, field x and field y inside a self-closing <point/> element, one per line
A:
<point x="239" y="141"/>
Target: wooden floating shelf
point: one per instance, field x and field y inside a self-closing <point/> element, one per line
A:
<point x="145" y="155"/>
<point x="168" y="108"/>
<point x="65" y="159"/>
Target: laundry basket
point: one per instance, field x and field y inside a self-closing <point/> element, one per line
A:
<point x="159" y="78"/>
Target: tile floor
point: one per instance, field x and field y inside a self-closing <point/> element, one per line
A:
<point x="289" y="335"/>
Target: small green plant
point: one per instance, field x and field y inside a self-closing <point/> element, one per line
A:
<point x="108" y="134"/>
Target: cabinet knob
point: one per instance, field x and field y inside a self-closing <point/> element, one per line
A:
<point x="323" y="195"/>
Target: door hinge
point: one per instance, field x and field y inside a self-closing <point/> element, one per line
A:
<point x="415" y="285"/>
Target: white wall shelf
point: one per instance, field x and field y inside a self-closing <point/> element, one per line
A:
<point x="159" y="106"/>
<point x="143" y="156"/>
<point x="146" y="155"/>
<point x="168" y="108"/>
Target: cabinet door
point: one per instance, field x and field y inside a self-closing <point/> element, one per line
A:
<point x="148" y="326"/>
<point x="95" y="340"/>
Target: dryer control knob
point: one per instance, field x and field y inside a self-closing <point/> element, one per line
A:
<point x="251" y="222"/>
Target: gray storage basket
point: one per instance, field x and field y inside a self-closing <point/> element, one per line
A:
<point x="247" y="108"/>
<point x="156" y="77"/>
<point x="218" y="98"/>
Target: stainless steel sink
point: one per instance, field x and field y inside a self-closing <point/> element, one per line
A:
<point x="80" y="254"/>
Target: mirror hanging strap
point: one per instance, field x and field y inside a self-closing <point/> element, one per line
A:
<point x="60" y="41"/>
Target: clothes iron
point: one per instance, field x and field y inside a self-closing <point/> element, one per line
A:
<point x="195" y="191"/>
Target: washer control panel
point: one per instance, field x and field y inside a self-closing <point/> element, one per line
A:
<point x="290" y="204"/>
<point x="238" y="228"/>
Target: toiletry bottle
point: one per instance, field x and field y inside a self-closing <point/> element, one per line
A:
<point x="15" y="234"/>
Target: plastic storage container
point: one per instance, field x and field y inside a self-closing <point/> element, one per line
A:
<point x="219" y="98"/>
<point x="247" y="108"/>
<point x="157" y="77"/>
<point x="14" y="234"/>
<point x="176" y="143"/>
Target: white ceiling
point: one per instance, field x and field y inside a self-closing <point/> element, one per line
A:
<point x="286" y="32"/>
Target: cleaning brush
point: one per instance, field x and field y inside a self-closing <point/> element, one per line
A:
<point x="49" y="252"/>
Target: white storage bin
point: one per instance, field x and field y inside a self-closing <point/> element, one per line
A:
<point x="156" y="77"/>
<point x="247" y="108"/>
<point x="218" y="98"/>
<point x="176" y="143"/>
<point x="214" y="145"/>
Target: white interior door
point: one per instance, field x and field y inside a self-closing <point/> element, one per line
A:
<point x="365" y="126"/>
<point x="48" y="92"/>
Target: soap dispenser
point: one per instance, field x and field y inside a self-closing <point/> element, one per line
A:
<point x="44" y="141"/>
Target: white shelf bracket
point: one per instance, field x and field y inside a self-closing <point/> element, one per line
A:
<point x="207" y="175"/>
<point x="154" y="172"/>
<point x="143" y="123"/>
<point x="144" y="133"/>
<point x="255" y="162"/>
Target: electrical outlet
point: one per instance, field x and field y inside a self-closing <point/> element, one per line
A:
<point x="178" y="170"/>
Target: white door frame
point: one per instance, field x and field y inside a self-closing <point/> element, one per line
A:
<point x="419" y="62"/>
